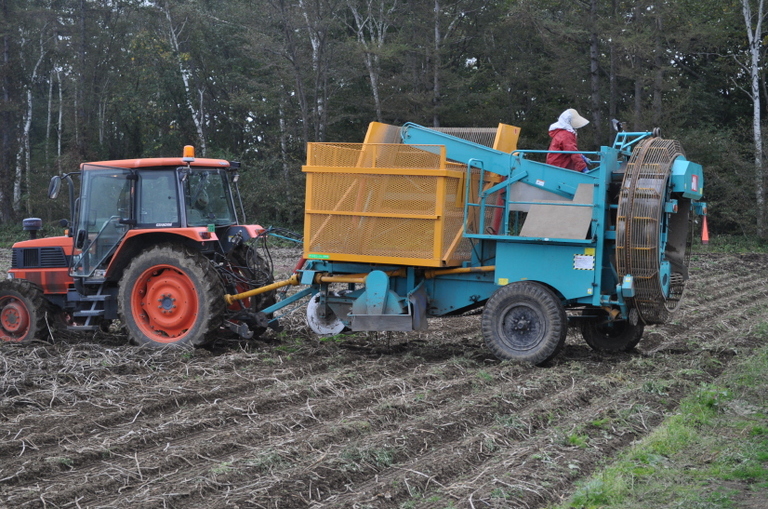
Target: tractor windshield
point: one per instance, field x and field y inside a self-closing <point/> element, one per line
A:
<point x="207" y="197"/>
<point x="105" y="200"/>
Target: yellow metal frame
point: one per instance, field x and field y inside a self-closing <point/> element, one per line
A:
<point x="389" y="203"/>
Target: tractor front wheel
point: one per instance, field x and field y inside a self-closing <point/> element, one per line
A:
<point x="524" y="321"/>
<point x="22" y="311"/>
<point x="171" y="295"/>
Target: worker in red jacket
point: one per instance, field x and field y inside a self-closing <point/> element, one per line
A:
<point x="563" y="134"/>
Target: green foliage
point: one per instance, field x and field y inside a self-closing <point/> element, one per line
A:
<point x="60" y="461"/>
<point x="717" y="437"/>
<point x="736" y="244"/>
<point x="577" y="440"/>
<point x="356" y="459"/>
<point x="13" y="232"/>
<point x="262" y="82"/>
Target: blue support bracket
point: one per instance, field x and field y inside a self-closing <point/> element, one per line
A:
<point x="627" y="287"/>
<point x="625" y="142"/>
<point x="287" y="302"/>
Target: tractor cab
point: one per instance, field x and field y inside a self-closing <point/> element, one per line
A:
<point x="119" y="199"/>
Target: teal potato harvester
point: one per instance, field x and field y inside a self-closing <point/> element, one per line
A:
<point x="417" y="222"/>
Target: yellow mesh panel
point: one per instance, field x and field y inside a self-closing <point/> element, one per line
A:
<point x="389" y="202"/>
<point x="372" y="236"/>
<point x="375" y="155"/>
<point x="454" y="245"/>
<point x="382" y="194"/>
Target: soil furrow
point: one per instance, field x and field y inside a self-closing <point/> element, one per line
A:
<point x="380" y="420"/>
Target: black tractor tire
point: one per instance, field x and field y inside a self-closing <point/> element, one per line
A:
<point x="524" y="321"/>
<point x="171" y="295"/>
<point x="611" y="337"/>
<point x="23" y="308"/>
<point x="250" y="265"/>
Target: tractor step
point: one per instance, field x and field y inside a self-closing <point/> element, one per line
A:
<point x="89" y="312"/>
<point x="95" y="298"/>
<point x="83" y="328"/>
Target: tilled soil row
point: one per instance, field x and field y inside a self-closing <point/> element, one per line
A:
<point x="420" y="420"/>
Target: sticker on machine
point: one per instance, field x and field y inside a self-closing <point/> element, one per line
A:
<point x="583" y="262"/>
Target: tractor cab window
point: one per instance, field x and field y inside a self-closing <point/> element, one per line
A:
<point x="105" y="200"/>
<point x="157" y="193"/>
<point x="207" y="198"/>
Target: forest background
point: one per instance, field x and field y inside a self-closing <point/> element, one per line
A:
<point x="254" y="81"/>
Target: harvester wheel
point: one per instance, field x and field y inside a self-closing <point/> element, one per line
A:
<point x="524" y="321"/>
<point x="611" y="337"/>
<point x="171" y="295"/>
<point x="22" y="311"/>
<point x="326" y="325"/>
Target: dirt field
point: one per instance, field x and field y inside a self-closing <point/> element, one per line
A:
<point x="406" y="420"/>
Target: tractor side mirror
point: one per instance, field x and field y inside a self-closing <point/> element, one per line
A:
<point x="54" y="187"/>
<point x="80" y="240"/>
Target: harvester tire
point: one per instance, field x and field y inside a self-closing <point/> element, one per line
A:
<point x="171" y="295"/>
<point x="524" y="321"/>
<point x="611" y="337"/>
<point x="22" y="312"/>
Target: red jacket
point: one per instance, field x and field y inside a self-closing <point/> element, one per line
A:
<point x="565" y="140"/>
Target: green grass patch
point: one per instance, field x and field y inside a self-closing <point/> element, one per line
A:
<point x="358" y="459"/>
<point x="713" y="453"/>
<point x="735" y="244"/>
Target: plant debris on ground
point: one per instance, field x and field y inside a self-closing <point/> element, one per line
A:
<point x="388" y="420"/>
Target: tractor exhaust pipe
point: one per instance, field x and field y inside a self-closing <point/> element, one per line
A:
<point x="32" y="225"/>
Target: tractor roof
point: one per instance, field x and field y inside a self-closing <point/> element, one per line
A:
<point x="158" y="161"/>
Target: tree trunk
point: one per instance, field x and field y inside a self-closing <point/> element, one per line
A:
<point x="79" y="80"/>
<point x="637" y="121"/>
<point x="658" y="82"/>
<point x="594" y="75"/>
<point x="60" y="122"/>
<point x="376" y="24"/>
<point x="25" y="142"/>
<point x="613" y="99"/>
<point x="48" y="119"/>
<point x="436" y="69"/>
<point x="754" y="37"/>
<point x="317" y="39"/>
<point x="197" y="114"/>
<point x="5" y="121"/>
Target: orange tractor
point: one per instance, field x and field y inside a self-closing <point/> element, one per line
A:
<point x="156" y="243"/>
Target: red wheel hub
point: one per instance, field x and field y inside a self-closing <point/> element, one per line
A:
<point x="14" y="319"/>
<point x="164" y="303"/>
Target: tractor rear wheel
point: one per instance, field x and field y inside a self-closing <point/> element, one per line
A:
<point x="22" y="311"/>
<point x="247" y="271"/>
<point x="611" y="337"/>
<point x="524" y="321"/>
<point x="171" y="295"/>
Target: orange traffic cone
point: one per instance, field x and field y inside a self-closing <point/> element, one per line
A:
<point x="704" y="232"/>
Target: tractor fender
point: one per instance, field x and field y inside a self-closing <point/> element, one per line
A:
<point x="136" y="241"/>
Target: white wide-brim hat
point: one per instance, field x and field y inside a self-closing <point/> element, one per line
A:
<point x="577" y="121"/>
